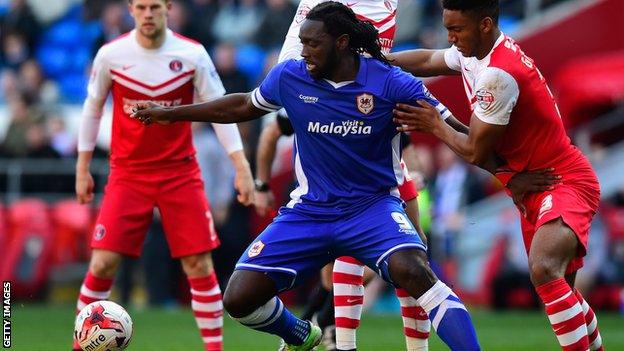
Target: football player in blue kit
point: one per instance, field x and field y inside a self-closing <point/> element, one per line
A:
<point x="346" y="155"/>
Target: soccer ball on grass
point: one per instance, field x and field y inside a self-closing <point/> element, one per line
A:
<point x="103" y="326"/>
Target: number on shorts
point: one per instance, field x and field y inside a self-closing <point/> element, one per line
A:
<point x="402" y="221"/>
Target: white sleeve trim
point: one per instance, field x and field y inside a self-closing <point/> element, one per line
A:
<point x="496" y="94"/>
<point x="452" y="58"/>
<point x="260" y="102"/>
<point x="444" y="112"/>
<point x="228" y="136"/>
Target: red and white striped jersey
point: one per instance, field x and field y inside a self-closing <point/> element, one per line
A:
<point x="506" y="88"/>
<point x="179" y="72"/>
<point x="381" y="13"/>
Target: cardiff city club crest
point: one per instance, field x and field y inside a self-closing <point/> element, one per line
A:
<point x="255" y="249"/>
<point x="365" y="103"/>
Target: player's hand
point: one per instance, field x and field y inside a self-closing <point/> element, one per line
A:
<point x="84" y="187"/>
<point x="148" y="112"/>
<point x="264" y="202"/>
<point x="424" y="118"/>
<point x="531" y="181"/>
<point x="244" y="186"/>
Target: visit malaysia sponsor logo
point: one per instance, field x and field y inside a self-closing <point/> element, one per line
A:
<point x="342" y="129"/>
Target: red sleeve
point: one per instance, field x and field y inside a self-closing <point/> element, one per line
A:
<point x="408" y="190"/>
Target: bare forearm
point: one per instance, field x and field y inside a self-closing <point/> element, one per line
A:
<point x="231" y="108"/>
<point x="492" y="162"/>
<point x="458" y="142"/>
<point x="422" y="62"/>
<point x="84" y="161"/>
<point x="457" y="125"/>
<point x="239" y="161"/>
<point x="266" y="151"/>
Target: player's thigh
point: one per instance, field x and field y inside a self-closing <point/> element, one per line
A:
<point x="125" y="215"/>
<point x="186" y="217"/>
<point x="289" y="250"/>
<point x="561" y="219"/>
<point x="375" y="233"/>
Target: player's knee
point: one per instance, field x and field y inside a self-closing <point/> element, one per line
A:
<point x="235" y="304"/>
<point x="103" y="267"/>
<point x="543" y="271"/>
<point x="197" y="265"/>
<point x="409" y="265"/>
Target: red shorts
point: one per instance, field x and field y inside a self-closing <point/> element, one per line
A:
<point x="129" y="201"/>
<point x="575" y="202"/>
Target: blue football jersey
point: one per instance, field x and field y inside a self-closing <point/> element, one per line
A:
<point x="347" y="149"/>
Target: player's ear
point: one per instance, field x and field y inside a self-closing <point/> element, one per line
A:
<point x="342" y="42"/>
<point x="486" y="25"/>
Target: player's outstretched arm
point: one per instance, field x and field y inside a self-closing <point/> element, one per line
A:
<point x="231" y="108"/>
<point x="457" y="125"/>
<point x="422" y="62"/>
<point x="476" y="147"/>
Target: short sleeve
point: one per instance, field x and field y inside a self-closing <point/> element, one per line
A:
<point x="496" y="92"/>
<point x="207" y="82"/>
<point x="405" y="88"/>
<point x="266" y="96"/>
<point x="452" y="57"/>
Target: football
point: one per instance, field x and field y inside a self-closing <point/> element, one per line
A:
<point x="103" y="326"/>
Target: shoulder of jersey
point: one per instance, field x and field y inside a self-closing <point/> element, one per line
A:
<point x="118" y="42"/>
<point x="182" y="40"/>
<point x="115" y="46"/>
<point x="505" y="57"/>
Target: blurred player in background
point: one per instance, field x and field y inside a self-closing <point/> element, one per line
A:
<point x="347" y="161"/>
<point x="515" y="115"/>
<point x="154" y="166"/>
<point x="347" y="280"/>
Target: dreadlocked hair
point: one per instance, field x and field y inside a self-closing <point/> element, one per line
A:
<point x="339" y="19"/>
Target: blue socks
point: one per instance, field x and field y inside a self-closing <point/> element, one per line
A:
<point x="449" y="318"/>
<point x="275" y="318"/>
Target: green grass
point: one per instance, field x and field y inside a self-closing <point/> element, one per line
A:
<point x="44" y="327"/>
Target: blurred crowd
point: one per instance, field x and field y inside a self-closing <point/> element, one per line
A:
<point x="44" y="62"/>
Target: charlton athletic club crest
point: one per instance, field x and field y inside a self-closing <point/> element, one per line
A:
<point x="365" y="103"/>
<point x="99" y="232"/>
<point x="175" y="65"/>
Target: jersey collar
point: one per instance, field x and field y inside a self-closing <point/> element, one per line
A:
<point x="360" y="77"/>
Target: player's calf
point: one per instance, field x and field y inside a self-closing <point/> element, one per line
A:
<point x="409" y="269"/>
<point x="250" y="298"/>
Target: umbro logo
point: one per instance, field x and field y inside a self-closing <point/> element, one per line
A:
<point x="308" y="99"/>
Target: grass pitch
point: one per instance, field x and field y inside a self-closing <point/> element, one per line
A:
<point x="45" y="327"/>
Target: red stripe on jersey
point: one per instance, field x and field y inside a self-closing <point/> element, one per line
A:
<point x="133" y="144"/>
<point x="153" y="87"/>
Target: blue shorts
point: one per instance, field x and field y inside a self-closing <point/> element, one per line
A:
<point x="297" y="245"/>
